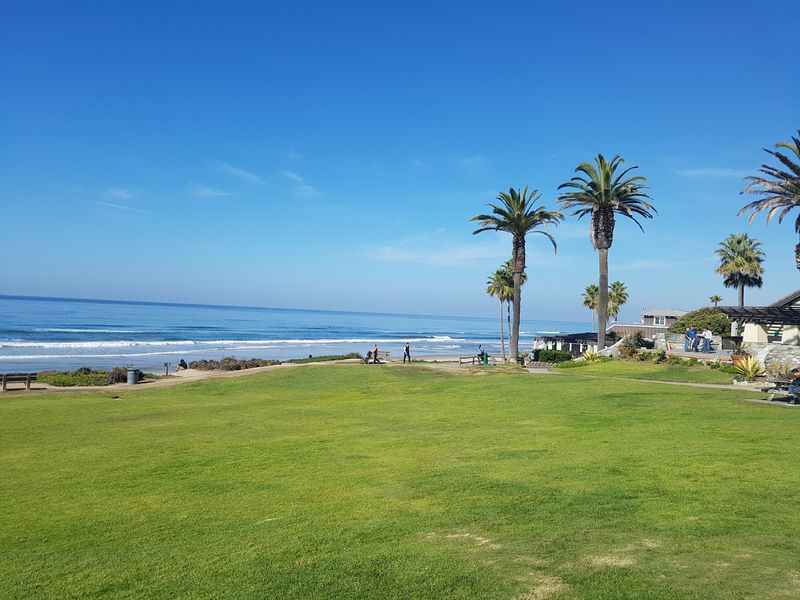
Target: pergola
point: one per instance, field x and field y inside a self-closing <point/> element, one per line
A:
<point x="780" y="319"/>
<point x="763" y="315"/>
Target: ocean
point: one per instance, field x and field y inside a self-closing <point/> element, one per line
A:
<point x="39" y="334"/>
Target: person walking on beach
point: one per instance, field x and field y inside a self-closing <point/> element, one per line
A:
<point x="407" y="353"/>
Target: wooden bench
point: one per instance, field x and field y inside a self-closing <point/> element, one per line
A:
<point x="25" y="378"/>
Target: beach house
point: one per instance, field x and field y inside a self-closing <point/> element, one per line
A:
<point x="652" y="322"/>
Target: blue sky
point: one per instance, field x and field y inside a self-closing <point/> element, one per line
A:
<point x="330" y="156"/>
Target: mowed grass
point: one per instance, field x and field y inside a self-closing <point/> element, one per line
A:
<point x="391" y="482"/>
<point x="656" y="372"/>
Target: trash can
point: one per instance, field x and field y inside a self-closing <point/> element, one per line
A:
<point x="133" y="376"/>
<point x="485" y="359"/>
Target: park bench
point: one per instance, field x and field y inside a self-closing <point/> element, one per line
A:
<point x="25" y="378"/>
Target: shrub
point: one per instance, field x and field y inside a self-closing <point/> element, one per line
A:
<point x="629" y="347"/>
<point x="553" y="356"/>
<point x="229" y="363"/>
<point x="748" y="368"/>
<point x="781" y="370"/>
<point x="591" y="356"/>
<point x="659" y="356"/>
<point x="675" y="360"/>
<point x="118" y="375"/>
<point x="79" y="377"/>
<point x="704" y="318"/>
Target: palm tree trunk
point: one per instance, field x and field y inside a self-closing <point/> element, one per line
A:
<point x="513" y="344"/>
<point x="602" y="300"/>
<point x="508" y="318"/>
<point x="741" y="295"/>
<point x="502" y="340"/>
<point x="518" y="256"/>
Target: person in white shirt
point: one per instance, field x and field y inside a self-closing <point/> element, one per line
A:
<point x="707" y="337"/>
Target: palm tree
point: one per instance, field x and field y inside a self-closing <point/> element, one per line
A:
<point x="602" y="193"/>
<point x="715" y="300"/>
<point x="495" y="287"/>
<point x="778" y="188"/>
<point x="518" y="215"/>
<point x="740" y="263"/>
<point x="590" y="300"/>
<point x="617" y="297"/>
<point x="508" y="294"/>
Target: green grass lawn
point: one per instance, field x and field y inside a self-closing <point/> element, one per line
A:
<point x="389" y="482"/>
<point x="648" y="370"/>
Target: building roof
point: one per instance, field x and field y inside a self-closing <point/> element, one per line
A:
<point x="663" y="312"/>
<point x="785" y="311"/>
<point x="763" y="315"/>
<point x="789" y="300"/>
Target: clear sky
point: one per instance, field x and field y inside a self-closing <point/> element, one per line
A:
<point x="328" y="155"/>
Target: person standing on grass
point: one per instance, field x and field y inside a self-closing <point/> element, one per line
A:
<point x="407" y="353"/>
<point x="375" y="355"/>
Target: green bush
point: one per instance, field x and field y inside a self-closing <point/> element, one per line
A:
<point x="704" y="318"/>
<point x="118" y="375"/>
<point x="552" y="356"/>
<point x="659" y="356"/>
<point x="230" y="363"/>
<point x="79" y="377"/>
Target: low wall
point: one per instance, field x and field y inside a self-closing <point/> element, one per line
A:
<point x="771" y="354"/>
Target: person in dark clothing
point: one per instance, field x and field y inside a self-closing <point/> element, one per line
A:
<point x="368" y="358"/>
<point x="375" y="360"/>
<point x="182" y="364"/>
<point x="407" y="353"/>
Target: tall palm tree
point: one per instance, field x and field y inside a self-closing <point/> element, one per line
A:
<point x="740" y="263"/>
<point x="598" y="190"/>
<point x="496" y="287"/>
<point x="617" y="297"/>
<point x="508" y="277"/>
<point x="517" y="214"/>
<point x="715" y="300"/>
<point x="590" y="295"/>
<point x="778" y="188"/>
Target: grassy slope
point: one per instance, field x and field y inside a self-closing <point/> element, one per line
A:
<point x="355" y="482"/>
<point x="648" y="370"/>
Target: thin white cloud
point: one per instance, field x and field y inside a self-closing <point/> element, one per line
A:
<point x="713" y="172"/>
<point x="118" y="193"/>
<point x="301" y="187"/>
<point x="239" y="173"/>
<point x="294" y="155"/>
<point x="204" y="191"/>
<point x="123" y="207"/>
